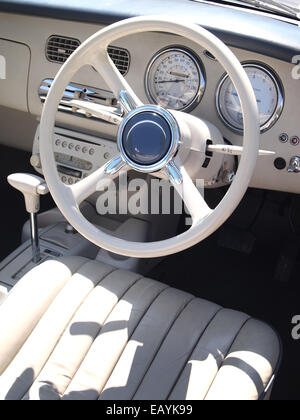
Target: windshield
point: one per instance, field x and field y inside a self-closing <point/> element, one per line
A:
<point x="287" y="7"/>
<point x="292" y="3"/>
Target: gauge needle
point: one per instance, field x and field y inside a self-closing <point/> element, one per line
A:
<point x="174" y="73"/>
<point x="170" y="81"/>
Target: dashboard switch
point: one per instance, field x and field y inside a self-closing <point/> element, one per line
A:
<point x="294" y="164"/>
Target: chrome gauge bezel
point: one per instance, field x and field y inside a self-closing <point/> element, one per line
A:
<point x="201" y="74"/>
<point x="280" y="98"/>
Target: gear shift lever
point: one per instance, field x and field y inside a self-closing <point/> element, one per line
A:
<point x="31" y="186"/>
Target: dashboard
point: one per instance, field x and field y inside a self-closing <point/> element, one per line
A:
<point x="161" y="68"/>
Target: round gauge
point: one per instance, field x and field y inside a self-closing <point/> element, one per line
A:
<point x="268" y="95"/>
<point x="174" y="79"/>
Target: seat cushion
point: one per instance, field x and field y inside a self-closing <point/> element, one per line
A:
<point x="80" y="329"/>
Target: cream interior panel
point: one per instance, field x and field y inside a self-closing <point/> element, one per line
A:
<point x="17" y="128"/>
<point x="14" y="68"/>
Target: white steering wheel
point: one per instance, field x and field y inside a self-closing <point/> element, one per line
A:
<point x="205" y="220"/>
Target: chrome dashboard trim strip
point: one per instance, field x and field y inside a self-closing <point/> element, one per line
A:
<point x="78" y="91"/>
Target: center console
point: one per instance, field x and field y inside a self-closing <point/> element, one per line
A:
<point x="56" y="240"/>
<point x="77" y="155"/>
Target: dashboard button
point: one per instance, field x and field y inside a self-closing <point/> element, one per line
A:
<point x="283" y="137"/>
<point x="295" y="140"/>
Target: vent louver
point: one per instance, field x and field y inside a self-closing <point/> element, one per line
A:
<point x="59" y="48"/>
<point x="120" y="58"/>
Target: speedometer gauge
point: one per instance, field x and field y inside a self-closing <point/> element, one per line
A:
<point x="268" y="95"/>
<point x="174" y="79"/>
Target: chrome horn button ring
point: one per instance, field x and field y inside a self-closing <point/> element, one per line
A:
<point x="148" y="138"/>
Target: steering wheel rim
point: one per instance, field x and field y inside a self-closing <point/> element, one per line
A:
<point x="205" y="221"/>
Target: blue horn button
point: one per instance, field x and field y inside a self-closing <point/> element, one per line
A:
<point x="146" y="138"/>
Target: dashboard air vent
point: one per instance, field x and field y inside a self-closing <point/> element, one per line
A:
<point x="59" y="48"/>
<point x="120" y="58"/>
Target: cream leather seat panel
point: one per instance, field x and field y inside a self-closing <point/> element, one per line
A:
<point x="53" y="320"/>
<point x="86" y="381"/>
<point x="171" y="347"/>
<point x="174" y="358"/>
<point x="208" y="355"/>
<point x="111" y="334"/>
<point x="251" y="353"/>
<point x="80" y="334"/>
<point x="94" y="373"/>
<point x="31" y="297"/>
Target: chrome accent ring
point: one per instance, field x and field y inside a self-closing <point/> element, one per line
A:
<point x="202" y="80"/>
<point x="175" y="139"/>
<point x="280" y="99"/>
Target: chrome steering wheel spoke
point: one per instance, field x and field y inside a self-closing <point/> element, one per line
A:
<point x="97" y="180"/>
<point x="114" y="166"/>
<point x="189" y="193"/>
<point x="127" y="102"/>
<point x="173" y="173"/>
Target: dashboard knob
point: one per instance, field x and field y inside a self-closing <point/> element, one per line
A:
<point x="294" y="164"/>
<point x="35" y="161"/>
<point x="228" y="176"/>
